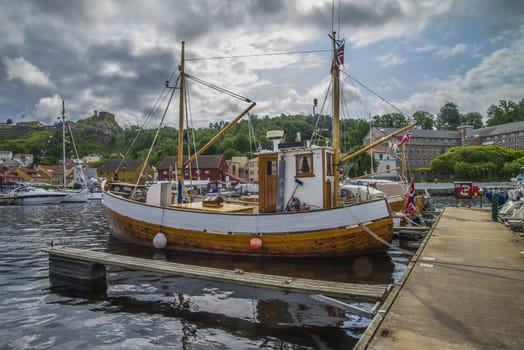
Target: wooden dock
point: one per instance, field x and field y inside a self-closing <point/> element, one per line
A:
<point x="463" y="290"/>
<point x="284" y="283"/>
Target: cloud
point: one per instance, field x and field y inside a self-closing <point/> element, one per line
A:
<point x="391" y="59"/>
<point x="114" y="56"/>
<point x="20" y="69"/>
<point x="48" y="108"/>
<point x="498" y="76"/>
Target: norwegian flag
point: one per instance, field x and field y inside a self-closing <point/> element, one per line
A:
<point x="340" y="52"/>
<point x="339" y="56"/>
<point x="405" y="138"/>
<point x="409" y="206"/>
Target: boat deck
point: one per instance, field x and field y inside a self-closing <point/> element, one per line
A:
<point x="223" y="208"/>
<point x="284" y="283"/>
<point x="463" y="290"/>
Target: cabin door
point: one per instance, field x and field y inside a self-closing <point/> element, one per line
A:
<point x="267" y="182"/>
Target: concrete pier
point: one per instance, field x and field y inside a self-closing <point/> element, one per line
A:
<point x="463" y="290"/>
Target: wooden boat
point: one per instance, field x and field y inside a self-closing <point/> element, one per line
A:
<point x="299" y="213"/>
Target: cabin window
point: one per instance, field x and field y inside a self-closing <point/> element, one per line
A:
<point x="329" y="164"/>
<point x="271" y="167"/>
<point x="304" y="165"/>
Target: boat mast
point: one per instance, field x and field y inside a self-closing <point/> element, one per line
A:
<point x="336" y="116"/>
<point x="180" y="161"/>
<point x="63" y="144"/>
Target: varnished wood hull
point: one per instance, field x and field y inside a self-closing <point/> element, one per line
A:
<point x="301" y="234"/>
<point x="398" y="205"/>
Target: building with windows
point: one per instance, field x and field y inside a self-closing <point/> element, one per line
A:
<point x="424" y="145"/>
<point x="509" y="135"/>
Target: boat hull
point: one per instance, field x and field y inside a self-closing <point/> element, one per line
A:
<point x="75" y="197"/>
<point x="38" y="199"/>
<point x="321" y="233"/>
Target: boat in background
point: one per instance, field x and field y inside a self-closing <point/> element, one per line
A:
<point x="299" y="212"/>
<point x="95" y="193"/>
<point x="72" y="196"/>
<point x="6" y="198"/>
<point x="29" y="195"/>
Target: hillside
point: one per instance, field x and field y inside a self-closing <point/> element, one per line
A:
<point x="96" y="134"/>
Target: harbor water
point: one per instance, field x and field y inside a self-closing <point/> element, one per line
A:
<point x="145" y="310"/>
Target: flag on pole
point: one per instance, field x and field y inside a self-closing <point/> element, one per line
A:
<point x="339" y="54"/>
<point x="405" y="138"/>
<point x="409" y="207"/>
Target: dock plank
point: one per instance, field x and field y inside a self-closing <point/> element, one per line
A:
<point x="463" y="290"/>
<point x="284" y="283"/>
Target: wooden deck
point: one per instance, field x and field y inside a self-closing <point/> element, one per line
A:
<point x="284" y="283"/>
<point x="463" y="290"/>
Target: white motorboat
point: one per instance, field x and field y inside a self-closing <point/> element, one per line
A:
<point x="27" y="195"/>
<point x="75" y="196"/>
<point x="95" y="193"/>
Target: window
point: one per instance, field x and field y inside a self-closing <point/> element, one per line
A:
<point x="329" y="164"/>
<point x="271" y="167"/>
<point x="304" y="165"/>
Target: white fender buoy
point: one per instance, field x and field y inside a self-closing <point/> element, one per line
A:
<point x="160" y="241"/>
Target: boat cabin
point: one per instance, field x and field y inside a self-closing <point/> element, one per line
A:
<point x="295" y="176"/>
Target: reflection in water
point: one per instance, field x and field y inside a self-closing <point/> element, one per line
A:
<point x="151" y="310"/>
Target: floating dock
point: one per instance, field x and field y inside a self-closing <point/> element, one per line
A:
<point x="79" y="257"/>
<point x="464" y="289"/>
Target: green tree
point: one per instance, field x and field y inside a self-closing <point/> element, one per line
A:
<point x="390" y="120"/>
<point x="477" y="162"/>
<point x="449" y="117"/>
<point x="360" y="165"/>
<point x="424" y="119"/>
<point x="473" y="118"/>
<point x="505" y="112"/>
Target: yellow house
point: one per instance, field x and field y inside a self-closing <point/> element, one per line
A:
<point x="125" y="171"/>
<point x="34" y="175"/>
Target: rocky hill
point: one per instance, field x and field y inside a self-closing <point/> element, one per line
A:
<point x="102" y="129"/>
<point x="97" y="134"/>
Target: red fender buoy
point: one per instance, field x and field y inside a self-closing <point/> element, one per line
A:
<point x="255" y="243"/>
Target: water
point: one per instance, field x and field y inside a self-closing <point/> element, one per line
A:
<point x="145" y="310"/>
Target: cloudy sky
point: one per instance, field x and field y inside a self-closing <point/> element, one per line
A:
<point x="115" y="55"/>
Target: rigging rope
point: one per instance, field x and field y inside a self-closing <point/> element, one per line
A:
<point x="259" y="55"/>
<point x="372" y="92"/>
<point x="218" y="88"/>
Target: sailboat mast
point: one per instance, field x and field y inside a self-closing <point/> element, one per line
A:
<point x="63" y="144"/>
<point x="180" y="161"/>
<point x="336" y="117"/>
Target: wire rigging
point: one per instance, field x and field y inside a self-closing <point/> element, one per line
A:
<point x="372" y="92"/>
<point x="218" y="88"/>
<point x="258" y="55"/>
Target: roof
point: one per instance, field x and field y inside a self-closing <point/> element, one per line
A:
<point x="499" y="129"/>
<point x="211" y="161"/>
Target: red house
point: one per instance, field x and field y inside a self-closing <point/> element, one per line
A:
<point x="212" y="168"/>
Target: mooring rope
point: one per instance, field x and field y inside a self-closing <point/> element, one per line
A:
<point x="381" y="240"/>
